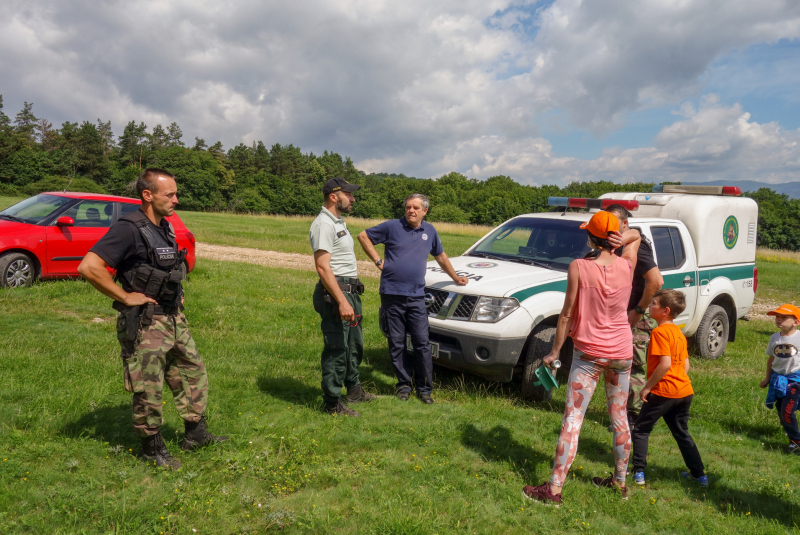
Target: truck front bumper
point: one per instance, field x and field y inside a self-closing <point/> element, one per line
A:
<point x="490" y="358"/>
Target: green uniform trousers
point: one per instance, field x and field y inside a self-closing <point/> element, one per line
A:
<point x="344" y="345"/>
<point x="641" y="339"/>
<point x="163" y="351"/>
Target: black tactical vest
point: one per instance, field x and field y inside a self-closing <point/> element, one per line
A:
<point x="160" y="277"/>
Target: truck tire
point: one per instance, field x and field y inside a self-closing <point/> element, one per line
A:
<point x="712" y="333"/>
<point x="540" y="344"/>
<point x="17" y="270"/>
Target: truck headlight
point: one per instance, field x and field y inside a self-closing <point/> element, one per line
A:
<point x="493" y="309"/>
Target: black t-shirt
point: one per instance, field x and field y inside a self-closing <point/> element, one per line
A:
<point x="123" y="246"/>
<point x="644" y="263"/>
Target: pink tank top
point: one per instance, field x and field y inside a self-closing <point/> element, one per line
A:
<point x="600" y="325"/>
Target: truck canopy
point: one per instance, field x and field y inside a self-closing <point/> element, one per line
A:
<point x="723" y="228"/>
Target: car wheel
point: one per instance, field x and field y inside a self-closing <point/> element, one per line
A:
<point x="16" y="271"/>
<point x="712" y="333"/>
<point x="539" y="345"/>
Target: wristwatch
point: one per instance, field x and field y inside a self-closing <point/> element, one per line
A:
<point x="638" y="309"/>
<point x="378" y="262"/>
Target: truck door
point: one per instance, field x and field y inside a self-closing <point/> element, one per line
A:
<point x="677" y="264"/>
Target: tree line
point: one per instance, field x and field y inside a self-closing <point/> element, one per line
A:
<point x="282" y="179"/>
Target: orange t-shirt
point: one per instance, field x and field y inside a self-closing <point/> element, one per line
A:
<point x="668" y="339"/>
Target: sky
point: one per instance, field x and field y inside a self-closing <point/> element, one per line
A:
<point x="546" y="92"/>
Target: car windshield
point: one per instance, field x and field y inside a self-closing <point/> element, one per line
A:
<point x="545" y="242"/>
<point x="34" y="209"/>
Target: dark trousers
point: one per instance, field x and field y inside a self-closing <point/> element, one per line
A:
<point x="675" y="412"/>
<point x="787" y="407"/>
<point x="408" y="315"/>
<point x="344" y="345"/>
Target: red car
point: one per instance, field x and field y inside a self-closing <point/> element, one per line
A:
<point x="47" y="235"/>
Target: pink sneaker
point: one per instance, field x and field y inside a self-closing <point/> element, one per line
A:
<point x="542" y="494"/>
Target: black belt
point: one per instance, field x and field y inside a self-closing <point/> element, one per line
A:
<point x="159" y="310"/>
<point x="350" y="285"/>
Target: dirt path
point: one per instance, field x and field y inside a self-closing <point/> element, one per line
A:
<point x="365" y="268"/>
<point x="272" y="258"/>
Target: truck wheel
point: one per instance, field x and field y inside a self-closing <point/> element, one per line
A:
<point x="16" y="271"/>
<point x="540" y="344"/>
<point x="712" y="333"/>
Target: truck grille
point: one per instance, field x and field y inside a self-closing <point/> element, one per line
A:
<point x="465" y="307"/>
<point x="434" y="299"/>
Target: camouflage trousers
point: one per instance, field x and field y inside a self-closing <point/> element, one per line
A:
<point x="641" y="339"/>
<point x="163" y="351"/>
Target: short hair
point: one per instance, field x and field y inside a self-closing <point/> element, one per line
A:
<point x="149" y="178"/>
<point x="618" y="210"/>
<point x="672" y="299"/>
<point x="425" y="202"/>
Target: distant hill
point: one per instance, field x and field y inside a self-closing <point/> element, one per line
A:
<point x="792" y="189"/>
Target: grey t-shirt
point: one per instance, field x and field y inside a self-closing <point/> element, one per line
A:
<point x="329" y="233"/>
<point x="784" y="362"/>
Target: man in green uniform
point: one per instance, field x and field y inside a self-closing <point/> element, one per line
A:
<point x="151" y="328"/>
<point x="337" y="299"/>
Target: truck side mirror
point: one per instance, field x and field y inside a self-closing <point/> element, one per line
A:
<point x="65" y="221"/>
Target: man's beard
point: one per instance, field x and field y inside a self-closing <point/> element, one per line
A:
<point x="344" y="209"/>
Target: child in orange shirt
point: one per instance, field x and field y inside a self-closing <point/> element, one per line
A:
<point x="668" y="392"/>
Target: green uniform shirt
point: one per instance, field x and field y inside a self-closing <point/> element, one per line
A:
<point x="329" y="233"/>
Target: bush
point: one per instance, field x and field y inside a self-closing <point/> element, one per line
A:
<point x="7" y="190"/>
<point x="448" y="213"/>
<point x="57" y="183"/>
<point x="249" y="200"/>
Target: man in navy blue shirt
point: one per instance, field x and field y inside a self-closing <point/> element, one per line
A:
<point x="407" y="243"/>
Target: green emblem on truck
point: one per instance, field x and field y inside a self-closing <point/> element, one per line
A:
<point x="730" y="232"/>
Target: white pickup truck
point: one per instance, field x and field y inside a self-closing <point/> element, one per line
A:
<point x="704" y="241"/>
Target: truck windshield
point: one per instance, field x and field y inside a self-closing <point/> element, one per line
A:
<point x="550" y="243"/>
<point x="34" y="209"/>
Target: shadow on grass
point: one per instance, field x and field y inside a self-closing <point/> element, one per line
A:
<point x="767" y="503"/>
<point x="112" y="424"/>
<point x="739" y="502"/>
<point x="497" y="445"/>
<point x="763" y="433"/>
<point x="291" y="390"/>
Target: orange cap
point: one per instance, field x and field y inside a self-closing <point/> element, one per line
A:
<point x="786" y="310"/>
<point x="601" y="224"/>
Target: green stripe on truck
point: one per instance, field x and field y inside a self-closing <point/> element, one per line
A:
<point x="671" y="280"/>
<point x="557" y="286"/>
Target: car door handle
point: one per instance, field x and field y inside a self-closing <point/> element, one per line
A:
<point x="688" y="280"/>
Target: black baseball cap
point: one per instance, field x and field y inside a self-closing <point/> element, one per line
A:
<point x="338" y="184"/>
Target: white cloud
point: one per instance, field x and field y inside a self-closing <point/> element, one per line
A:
<point x="709" y="143"/>
<point x="416" y="87"/>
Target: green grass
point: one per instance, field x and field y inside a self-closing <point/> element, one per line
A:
<point x="5" y="202"/>
<point x="290" y="234"/>
<point x="67" y="445"/>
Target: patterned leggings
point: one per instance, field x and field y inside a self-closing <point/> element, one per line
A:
<point x="583" y="379"/>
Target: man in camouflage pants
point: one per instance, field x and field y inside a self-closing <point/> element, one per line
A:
<point x="151" y="328"/>
<point x="164" y="353"/>
<point x="647" y="280"/>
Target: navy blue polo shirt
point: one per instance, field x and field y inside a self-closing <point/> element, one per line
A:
<point x="406" y="255"/>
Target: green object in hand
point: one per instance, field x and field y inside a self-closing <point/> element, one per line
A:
<point x="545" y="378"/>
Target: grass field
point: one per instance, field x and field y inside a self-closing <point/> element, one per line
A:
<point x="67" y="449"/>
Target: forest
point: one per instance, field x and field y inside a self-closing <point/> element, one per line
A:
<point x="35" y="156"/>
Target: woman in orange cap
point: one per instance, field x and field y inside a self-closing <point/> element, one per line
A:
<point x="596" y="317"/>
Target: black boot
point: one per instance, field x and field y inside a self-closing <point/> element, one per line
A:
<point x="337" y="407"/>
<point x="358" y="395"/>
<point x="197" y="435"/>
<point x="154" y="449"/>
